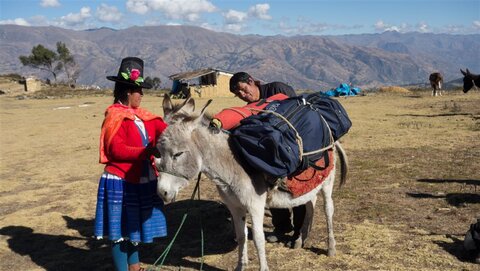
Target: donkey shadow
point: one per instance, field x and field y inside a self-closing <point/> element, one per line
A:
<point x="448" y="114"/>
<point x="456" y="247"/>
<point x="454" y="199"/>
<point x="68" y="252"/>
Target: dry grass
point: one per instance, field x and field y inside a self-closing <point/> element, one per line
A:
<point x="393" y="89"/>
<point x="412" y="192"/>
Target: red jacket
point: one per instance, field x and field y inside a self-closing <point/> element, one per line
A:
<point x="121" y="146"/>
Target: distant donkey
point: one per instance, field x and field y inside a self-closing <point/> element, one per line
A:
<point x="436" y="81"/>
<point x="188" y="147"/>
<point x="470" y="80"/>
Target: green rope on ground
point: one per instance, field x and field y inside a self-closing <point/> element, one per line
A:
<point x="164" y="254"/>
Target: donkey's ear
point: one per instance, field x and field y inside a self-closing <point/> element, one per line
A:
<point x="201" y="117"/>
<point x="167" y="105"/>
<point x="468" y="72"/>
<point x="188" y="106"/>
<point x="186" y="100"/>
<point x="205" y="107"/>
<point x="464" y="73"/>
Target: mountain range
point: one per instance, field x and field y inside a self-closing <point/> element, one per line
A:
<point x="305" y="62"/>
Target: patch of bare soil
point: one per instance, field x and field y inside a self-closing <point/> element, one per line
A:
<point x="412" y="192"/>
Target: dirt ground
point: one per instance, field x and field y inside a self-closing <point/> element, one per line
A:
<point x="413" y="190"/>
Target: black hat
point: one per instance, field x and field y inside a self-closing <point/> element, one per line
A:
<point x="131" y="73"/>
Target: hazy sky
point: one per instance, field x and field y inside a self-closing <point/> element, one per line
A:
<point x="270" y="17"/>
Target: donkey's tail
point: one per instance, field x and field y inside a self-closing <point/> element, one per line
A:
<point x="343" y="163"/>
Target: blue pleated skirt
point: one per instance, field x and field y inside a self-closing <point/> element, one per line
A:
<point x="128" y="211"/>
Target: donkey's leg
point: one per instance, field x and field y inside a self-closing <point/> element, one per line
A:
<point x="241" y="231"/>
<point x="239" y="213"/>
<point x="329" y="209"/>
<point x="307" y="223"/>
<point x="299" y="218"/>
<point x="257" y="212"/>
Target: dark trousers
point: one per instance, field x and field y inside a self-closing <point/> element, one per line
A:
<point x="281" y="219"/>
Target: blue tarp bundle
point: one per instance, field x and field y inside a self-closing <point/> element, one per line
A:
<point x="342" y="90"/>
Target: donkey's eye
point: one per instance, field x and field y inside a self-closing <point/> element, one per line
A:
<point x="176" y="155"/>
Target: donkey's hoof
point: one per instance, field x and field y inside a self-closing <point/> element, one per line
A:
<point x="295" y="243"/>
<point x="331" y="252"/>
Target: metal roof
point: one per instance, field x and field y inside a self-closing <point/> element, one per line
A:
<point x="194" y="74"/>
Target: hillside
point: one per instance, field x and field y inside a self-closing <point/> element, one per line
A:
<point x="412" y="191"/>
<point x="306" y="62"/>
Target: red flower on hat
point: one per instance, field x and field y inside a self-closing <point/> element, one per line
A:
<point x="133" y="75"/>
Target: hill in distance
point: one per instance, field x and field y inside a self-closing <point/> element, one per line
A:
<point x="305" y="62"/>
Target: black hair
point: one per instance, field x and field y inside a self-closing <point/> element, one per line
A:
<point x="237" y="78"/>
<point x="120" y="92"/>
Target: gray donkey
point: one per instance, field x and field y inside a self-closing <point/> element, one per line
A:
<point x="188" y="147"/>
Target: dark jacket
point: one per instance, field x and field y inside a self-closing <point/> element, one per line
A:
<point x="270" y="89"/>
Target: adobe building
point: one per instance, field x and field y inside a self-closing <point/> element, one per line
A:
<point x="203" y="83"/>
<point x="32" y="84"/>
<point x="13" y="85"/>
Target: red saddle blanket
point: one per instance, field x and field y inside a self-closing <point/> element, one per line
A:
<point x="310" y="178"/>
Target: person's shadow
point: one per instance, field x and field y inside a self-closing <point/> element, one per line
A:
<point x="64" y="252"/>
<point x="57" y="252"/>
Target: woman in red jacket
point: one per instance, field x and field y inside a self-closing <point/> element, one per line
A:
<point x="128" y="209"/>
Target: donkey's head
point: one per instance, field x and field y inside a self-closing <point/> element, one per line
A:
<point x="181" y="159"/>
<point x="468" y="80"/>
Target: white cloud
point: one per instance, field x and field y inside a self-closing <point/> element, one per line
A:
<point x="234" y="27"/>
<point x="476" y="25"/>
<point x="137" y="6"/>
<point x="189" y="10"/>
<point x="209" y="26"/>
<point x="304" y="27"/>
<point x="234" y="17"/>
<point x="17" y="21"/>
<point x="73" y="19"/>
<point x="107" y="13"/>
<point x="260" y="11"/>
<point x="50" y="3"/>
<point x="39" y="20"/>
<point x="234" y="20"/>
<point x="423" y="27"/>
<point x="453" y="29"/>
<point x="381" y="26"/>
<point x="192" y="17"/>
